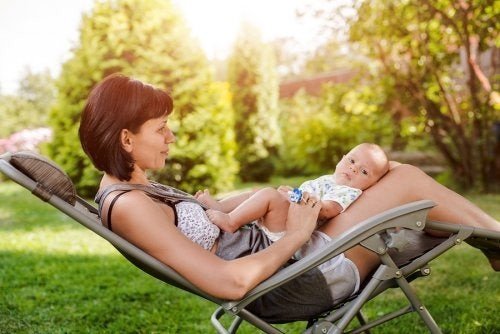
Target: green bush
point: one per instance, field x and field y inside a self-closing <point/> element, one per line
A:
<point x="320" y="130"/>
<point x="203" y="155"/>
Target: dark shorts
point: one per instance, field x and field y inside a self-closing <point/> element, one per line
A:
<point x="300" y="299"/>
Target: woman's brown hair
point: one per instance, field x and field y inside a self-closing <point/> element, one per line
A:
<point x="116" y="103"/>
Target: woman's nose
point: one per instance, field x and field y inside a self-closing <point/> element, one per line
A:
<point x="170" y="137"/>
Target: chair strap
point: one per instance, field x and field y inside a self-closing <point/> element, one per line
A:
<point x="155" y="189"/>
<point x="110" y="208"/>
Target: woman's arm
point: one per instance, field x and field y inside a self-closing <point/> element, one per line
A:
<point x="150" y="227"/>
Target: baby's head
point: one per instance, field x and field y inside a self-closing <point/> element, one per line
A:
<point x="362" y="166"/>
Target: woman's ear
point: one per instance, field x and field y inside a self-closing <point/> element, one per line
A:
<point x="126" y="140"/>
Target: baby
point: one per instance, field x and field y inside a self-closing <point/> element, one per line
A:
<point x="359" y="169"/>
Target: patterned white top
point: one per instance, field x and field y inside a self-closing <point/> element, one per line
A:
<point x="326" y="189"/>
<point x="193" y="222"/>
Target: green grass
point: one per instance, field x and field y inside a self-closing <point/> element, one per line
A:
<point x="58" y="277"/>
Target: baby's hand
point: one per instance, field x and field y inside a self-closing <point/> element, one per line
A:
<point x="283" y="190"/>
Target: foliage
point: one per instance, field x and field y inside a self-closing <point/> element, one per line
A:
<point x="254" y="84"/>
<point x="437" y="59"/>
<point x="147" y="40"/>
<point x="29" y="107"/>
<point x="332" y="55"/>
<point x="204" y="153"/>
<point x="319" y="130"/>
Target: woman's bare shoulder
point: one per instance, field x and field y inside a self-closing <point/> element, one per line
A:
<point x="135" y="206"/>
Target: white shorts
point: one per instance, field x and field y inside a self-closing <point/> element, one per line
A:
<point x="341" y="274"/>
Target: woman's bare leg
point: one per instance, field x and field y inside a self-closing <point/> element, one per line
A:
<point x="272" y="209"/>
<point x="404" y="184"/>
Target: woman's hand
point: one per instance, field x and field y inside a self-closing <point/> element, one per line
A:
<point x="302" y="217"/>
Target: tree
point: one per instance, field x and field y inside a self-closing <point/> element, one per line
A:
<point x="150" y="41"/>
<point x="437" y="60"/>
<point x="29" y="107"/>
<point x="438" y="57"/>
<point x="254" y="84"/>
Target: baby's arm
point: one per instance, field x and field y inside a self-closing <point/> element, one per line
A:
<point x="329" y="209"/>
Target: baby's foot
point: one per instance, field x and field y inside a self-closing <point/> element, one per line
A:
<point x="221" y="219"/>
<point x="205" y="198"/>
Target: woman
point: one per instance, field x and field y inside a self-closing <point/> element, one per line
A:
<point x="124" y="130"/>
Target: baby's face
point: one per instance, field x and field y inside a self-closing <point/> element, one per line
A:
<point x="360" y="168"/>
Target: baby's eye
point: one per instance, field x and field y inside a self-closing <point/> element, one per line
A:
<point x="351" y="160"/>
<point x="364" y="171"/>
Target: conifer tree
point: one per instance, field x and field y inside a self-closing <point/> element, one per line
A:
<point x="255" y="88"/>
<point x="149" y="41"/>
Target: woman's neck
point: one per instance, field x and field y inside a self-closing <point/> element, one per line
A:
<point x="136" y="178"/>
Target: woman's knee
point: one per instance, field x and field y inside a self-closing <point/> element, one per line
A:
<point x="406" y="171"/>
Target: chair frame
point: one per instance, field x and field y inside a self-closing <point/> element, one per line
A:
<point x="411" y="216"/>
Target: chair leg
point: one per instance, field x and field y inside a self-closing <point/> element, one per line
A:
<point x="364" y="296"/>
<point x="235" y="324"/>
<point x="418" y="306"/>
<point x="362" y="320"/>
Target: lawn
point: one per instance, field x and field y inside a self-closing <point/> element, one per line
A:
<point x="57" y="277"/>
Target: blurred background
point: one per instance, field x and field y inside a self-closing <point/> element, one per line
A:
<point x="264" y="89"/>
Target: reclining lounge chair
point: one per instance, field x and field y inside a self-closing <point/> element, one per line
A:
<point x="395" y="235"/>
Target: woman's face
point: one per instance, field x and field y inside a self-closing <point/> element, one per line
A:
<point x="150" y="146"/>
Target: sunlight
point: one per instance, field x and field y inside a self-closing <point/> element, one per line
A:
<point x="216" y="23"/>
<point x="40" y="38"/>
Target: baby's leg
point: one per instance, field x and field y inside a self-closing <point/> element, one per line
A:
<point x="267" y="203"/>
<point x="276" y="212"/>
